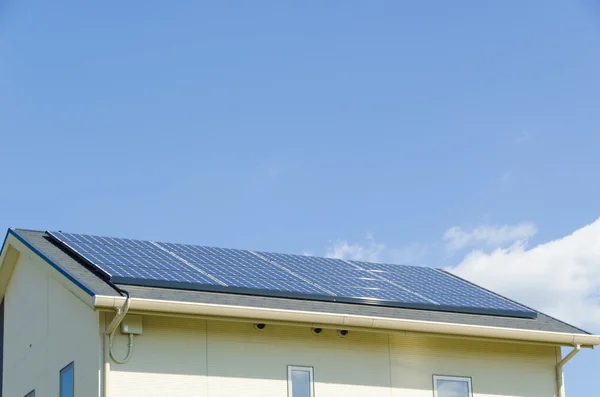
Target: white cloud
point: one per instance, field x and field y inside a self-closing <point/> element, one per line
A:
<point x="560" y="277"/>
<point x="457" y="238"/>
<point x="370" y="251"/>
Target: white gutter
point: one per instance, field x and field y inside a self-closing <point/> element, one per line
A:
<point x="324" y="320"/>
<point x="559" y="370"/>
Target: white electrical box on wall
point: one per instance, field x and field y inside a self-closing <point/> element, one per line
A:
<point x="132" y="324"/>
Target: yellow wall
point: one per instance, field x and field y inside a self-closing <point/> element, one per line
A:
<point x="189" y="357"/>
<point x="167" y="360"/>
<point x="496" y="368"/>
<point x="46" y="328"/>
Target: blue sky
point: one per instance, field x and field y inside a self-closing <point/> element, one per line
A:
<point x="455" y="134"/>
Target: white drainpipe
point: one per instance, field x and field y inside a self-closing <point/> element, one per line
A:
<point x="560" y="381"/>
<point x="114" y="324"/>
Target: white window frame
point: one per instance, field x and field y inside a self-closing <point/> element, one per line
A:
<point x="311" y="378"/>
<point x="455" y="378"/>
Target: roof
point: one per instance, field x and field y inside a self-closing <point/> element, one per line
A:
<point x="39" y="241"/>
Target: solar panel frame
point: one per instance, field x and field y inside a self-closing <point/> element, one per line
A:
<point x="167" y="284"/>
<point x="182" y="266"/>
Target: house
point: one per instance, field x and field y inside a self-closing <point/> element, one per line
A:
<point x="90" y="316"/>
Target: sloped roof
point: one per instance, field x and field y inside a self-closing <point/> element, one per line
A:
<point x="71" y="265"/>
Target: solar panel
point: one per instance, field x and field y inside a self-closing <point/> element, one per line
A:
<point x="343" y="278"/>
<point x="183" y="266"/>
<point x="445" y="289"/>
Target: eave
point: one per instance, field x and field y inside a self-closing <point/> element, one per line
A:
<point x="345" y="321"/>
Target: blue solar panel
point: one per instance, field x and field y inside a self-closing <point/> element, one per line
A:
<point x="408" y="299"/>
<point x="184" y="266"/>
<point x="214" y="256"/>
<point x="312" y="265"/>
<point x="344" y="278"/>
<point x="120" y="273"/>
<point x="253" y="272"/>
<point x="273" y="285"/>
<point x="443" y="288"/>
<point x="136" y="262"/>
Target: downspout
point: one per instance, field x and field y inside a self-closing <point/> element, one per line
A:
<point x="106" y="372"/>
<point x="560" y="381"/>
<point x="108" y="337"/>
<point x="119" y="316"/>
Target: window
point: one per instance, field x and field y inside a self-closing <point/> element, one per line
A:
<point x="300" y="381"/>
<point x="31" y="394"/>
<point x="451" y="386"/>
<point x="67" y="381"/>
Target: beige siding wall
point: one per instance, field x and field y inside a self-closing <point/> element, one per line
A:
<point x="46" y="328"/>
<point x="245" y="362"/>
<point x="496" y="369"/>
<point x="188" y="357"/>
<point x="169" y="359"/>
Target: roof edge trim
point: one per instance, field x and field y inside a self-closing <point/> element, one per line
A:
<point x="365" y="322"/>
<point x="50" y="262"/>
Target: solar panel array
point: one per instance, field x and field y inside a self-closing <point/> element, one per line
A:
<point x="183" y="266"/>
